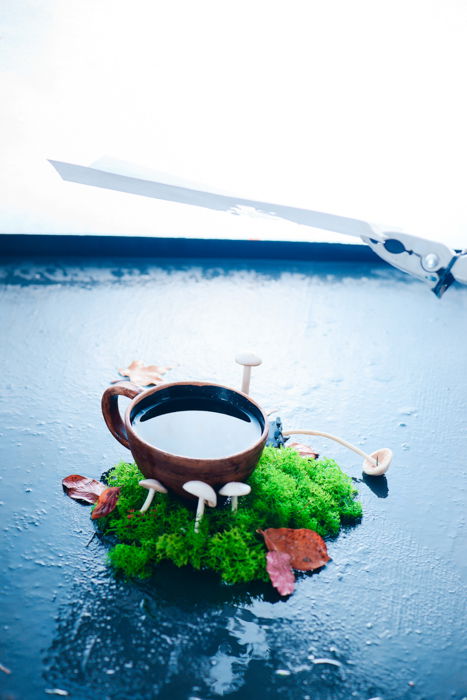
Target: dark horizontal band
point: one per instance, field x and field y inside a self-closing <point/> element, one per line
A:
<point x="27" y="245"/>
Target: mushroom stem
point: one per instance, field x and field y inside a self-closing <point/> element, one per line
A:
<point x="246" y="377"/>
<point x="148" y="500"/>
<point x="205" y="494"/>
<point x="336" y="439"/>
<point x="199" y="513"/>
<point x="234" y="503"/>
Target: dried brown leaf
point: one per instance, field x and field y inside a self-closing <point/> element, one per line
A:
<point x="280" y="572"/>
<point x="106" y="503"/>
<point x="143" y="375"/>
<point x="81" y="488"/>
<point x="306" y="548"/>
<point x="303" y="450"/>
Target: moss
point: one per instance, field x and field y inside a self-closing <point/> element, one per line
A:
<point x="131" y="559"/>
<point x="287" y="491"/>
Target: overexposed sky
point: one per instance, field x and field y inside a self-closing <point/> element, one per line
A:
<point x="355" y="108"/>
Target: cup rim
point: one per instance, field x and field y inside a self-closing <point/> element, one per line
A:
<point x="193" y="460"/>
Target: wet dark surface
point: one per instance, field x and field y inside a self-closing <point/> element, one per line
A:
<point x="363" y="352"/>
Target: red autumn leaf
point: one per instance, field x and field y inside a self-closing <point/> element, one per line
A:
<point x="143" y="375"/>
<point x="306" y="548"/>
<point x="303" y="450"/>
<point x="106" y="503"/>
<point x="280" y="572"/>
<point x="81" y="488"/>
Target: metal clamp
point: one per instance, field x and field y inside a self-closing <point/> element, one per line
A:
<point x="434" y="263"/>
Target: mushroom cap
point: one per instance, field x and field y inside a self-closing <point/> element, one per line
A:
<point x="153" y="484"/>
<point x="384" y="457"/>
<point x="235" y="488"/>
<point x="202" y="490"/>
<point x="248" y="359"/>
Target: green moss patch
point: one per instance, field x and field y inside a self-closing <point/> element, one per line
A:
<point x="286" y="491"/>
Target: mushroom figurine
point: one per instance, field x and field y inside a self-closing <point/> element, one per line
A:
<point x="205" y="494"/>
<point x="247" y="360"/>
<point x="234" y="489"/>
<point x="374" y="464"/>
<point x="152" y="485"/>
<point x="383" y="458"/>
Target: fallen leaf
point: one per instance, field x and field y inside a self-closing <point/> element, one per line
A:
<point x="303" y="450"/>
<point x="106" y="503"/>
<point x="306" y="548"/>
<point x="143" y="375"/>
<point x="280" y="572"/>
<point x="81" y="488"/>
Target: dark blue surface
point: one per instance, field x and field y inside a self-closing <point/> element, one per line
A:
<point x="122" y="246"/>
<point x="358" y="350"/>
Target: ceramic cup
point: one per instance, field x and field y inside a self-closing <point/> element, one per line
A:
<point x="170" y="469"/>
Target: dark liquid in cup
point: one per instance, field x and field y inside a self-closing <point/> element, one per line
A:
<point x="197" y="428"/>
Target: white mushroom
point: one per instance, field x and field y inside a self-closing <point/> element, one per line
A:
<point x="383" y="458"/>
<point x="234" y="489"/>
<point x="375" y="464"/>
<point x="152" y="485"/>
<point x="248" y="360"/>
<point x="205" y="494"/>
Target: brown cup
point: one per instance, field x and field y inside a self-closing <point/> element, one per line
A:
<point x="173" y="470"/>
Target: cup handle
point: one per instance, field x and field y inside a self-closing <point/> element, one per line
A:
<point x="110" y="410"/>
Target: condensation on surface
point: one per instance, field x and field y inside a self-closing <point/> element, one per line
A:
<point x="361" y="352"/>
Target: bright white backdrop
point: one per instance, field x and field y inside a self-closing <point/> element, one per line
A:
<point x="354" y="108"/>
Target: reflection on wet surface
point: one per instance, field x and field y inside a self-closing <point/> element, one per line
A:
<point x="385" y="618"/>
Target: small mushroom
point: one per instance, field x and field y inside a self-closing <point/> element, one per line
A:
<point x="248" y="360"/>
<point x="205" y="494"/>
<point x="152" y="485"/>
<point x="234" y="489"/>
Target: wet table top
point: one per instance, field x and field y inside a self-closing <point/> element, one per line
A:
<point x="361" y="351"/>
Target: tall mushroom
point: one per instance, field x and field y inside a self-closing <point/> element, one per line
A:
<point x="234" y="489"/>
<point x="152" y="485"/>
<point x="375" y="464"/>
<point x="205" y="494"/>
<point x="248" y="360"/>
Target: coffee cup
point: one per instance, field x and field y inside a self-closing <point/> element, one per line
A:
<point x="186" y="431"/>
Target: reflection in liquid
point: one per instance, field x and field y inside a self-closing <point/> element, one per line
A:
<point x="181" y="634"/>
<point x="175" y="633"/>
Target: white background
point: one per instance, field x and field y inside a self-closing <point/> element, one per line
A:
<point x="355" y="108"/>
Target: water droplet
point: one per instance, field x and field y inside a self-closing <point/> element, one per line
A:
<point x="407" y="411"/>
